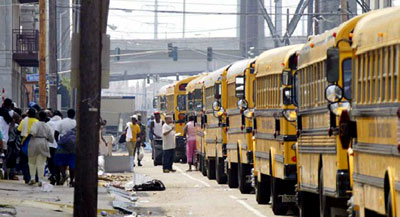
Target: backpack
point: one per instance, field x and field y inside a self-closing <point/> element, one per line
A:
<point x="68" y="141"/>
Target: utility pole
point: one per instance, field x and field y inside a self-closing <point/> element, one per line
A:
<point x="155" y="19"/>
<point x="53" y="55"/>
<point x="184" y="19"/>
<point x="310" y="17"/>
<point x="343" y="6"/>
<point x="42" y="54"/>
<point x="317" y="10"/>
<point x="93" y="24"/>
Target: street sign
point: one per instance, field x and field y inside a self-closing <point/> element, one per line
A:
<point x="33" y="78"/>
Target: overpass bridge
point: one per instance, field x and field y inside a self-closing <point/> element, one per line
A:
<point x="141" y="58"/>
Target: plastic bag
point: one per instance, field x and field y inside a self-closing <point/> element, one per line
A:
<point x="141" y="153"/>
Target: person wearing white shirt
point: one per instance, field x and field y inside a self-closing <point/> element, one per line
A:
<point x="67" y="123"/>
<point x="53" y="123"/>
<point x="168" y="135"/>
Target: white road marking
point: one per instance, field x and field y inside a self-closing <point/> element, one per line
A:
<point x="192" y="178"/>
<point x="247" y="206"/>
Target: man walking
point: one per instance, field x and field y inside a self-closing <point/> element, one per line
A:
<point x="142" y="138"/>
<point x="133" y="132"/>
<point x="168" y="131"/>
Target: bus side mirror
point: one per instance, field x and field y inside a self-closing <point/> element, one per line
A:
<point x="332" y="65"/>
<point x="286" y="77"/>
<point x="239" y="87"/>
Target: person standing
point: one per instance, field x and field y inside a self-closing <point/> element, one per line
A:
<point x="13" y="146"/>
<point x="67" y="124"/>
<point x="24" y="129"/>
<point x="133" y="132"/>
<point x="6" y="114"/>
<point x="54" y="171"/>
<point x="141" y="139"/>
<point x="168" y="132"/>
<point x="38" y="148"/>
<point x="190" y="133"/>
<point x="156" y="130"/>
<point x="151" y="138"/>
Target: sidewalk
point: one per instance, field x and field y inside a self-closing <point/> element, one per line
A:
<point x="30" y="201"/>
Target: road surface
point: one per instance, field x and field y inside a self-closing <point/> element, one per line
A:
<point x="192" y="194"/>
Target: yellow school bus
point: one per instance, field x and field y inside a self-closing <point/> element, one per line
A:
<point x="213" y="131"/>
<point x="175" y="96"/>
<point x="371" y="83"/>
<point x="323" y="163"/>
<point x="160" y="102"/>
<point x="273" y="116"/>
<point x="195" y="106"/>
<point x="239" y="149"/>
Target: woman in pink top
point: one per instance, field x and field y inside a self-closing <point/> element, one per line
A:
<point x="190" y="133"/>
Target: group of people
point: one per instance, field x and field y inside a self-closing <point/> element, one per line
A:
<point x="35" y="140"/>
<point x="162" y="132"/>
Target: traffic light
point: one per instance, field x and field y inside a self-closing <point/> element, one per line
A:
<point x="117" y="52"/>
<point x="209" y="54"/>
<point x="175" y="53"/>
<point x="170" y="48"/>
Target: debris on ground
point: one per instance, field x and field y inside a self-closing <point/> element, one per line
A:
<point x="125" y="207"/>
<point x="7" y="211"/>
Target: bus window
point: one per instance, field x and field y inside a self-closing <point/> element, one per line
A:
<point x="346" y="68"/>
<point x="181" y="102"/>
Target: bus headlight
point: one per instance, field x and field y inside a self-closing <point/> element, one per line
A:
<point x="219" y="113"/>
<point x="248" y="113"/>
<point x="338" y="107"/>
<point x="290" y="114"/>
<point x="242" y="104"/>
<point x="333" y="93"/>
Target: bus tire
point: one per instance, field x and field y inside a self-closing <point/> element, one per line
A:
<point x="308" y="204"/>
<point x="220" y="173"/>
<point x="277" y="188"/>
<point x="211" y="168"/>
<point x="232" y="176"/>
<point x="263" y="190"/>
<point x="203" y="167"/>
<point x="324" y="206"/>
<point x="243" y="171"/>
<point x="389" y="206"/>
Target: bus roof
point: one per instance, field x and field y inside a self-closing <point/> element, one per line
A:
<point x="196" y="83"/>
<point x="378" y="29"/>
<point x="275" y="60"/>
<point x="315" y="50"/>
<point x="175" y="86"/>
<point x="213" y="77"/>
<point x="163" y="90"/>
<point x="237" y="68"/>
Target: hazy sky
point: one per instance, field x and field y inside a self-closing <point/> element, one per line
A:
<point x="140" y="24"/>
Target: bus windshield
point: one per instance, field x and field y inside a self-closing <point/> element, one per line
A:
<point x="181" y="101"/>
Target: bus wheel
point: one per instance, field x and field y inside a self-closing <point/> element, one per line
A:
<point x="233" y="176"/>
<point x="211" y="168"/>
<point x="308" y="205"/>
<point x="263" y="190"/>
<point x="389" y="208"/>
<point x="203" y="166"/>
<point x="243" y="172"/>
<point x="220" y="173"/>
<point x="324" y="207"/>
<point x="277" y="188"/>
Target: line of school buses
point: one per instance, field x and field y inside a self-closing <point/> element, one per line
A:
<point x="309" y="127"/>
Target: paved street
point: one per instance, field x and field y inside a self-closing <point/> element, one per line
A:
<point x="192" y="194"/>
